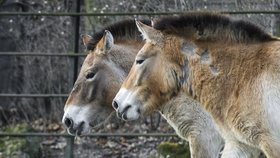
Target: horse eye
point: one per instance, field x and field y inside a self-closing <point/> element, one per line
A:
<point x="140" y="61"/>
<point x="90" y="75"/>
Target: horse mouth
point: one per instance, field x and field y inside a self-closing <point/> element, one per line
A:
<point x="125" y="116"/>
<point x="122" y="116"/>
<point x="78" y="130"/>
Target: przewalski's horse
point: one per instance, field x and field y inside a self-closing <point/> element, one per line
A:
<point x="101" y="75"/>
<point x="230" y="66"/>
<point x="110" y="60"/>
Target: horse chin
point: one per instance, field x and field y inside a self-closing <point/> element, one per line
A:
<point x="79" y="131"/>
<point x="86" y="128"/>
<point x="131" y="118"/>
<point x="131" y="114"/>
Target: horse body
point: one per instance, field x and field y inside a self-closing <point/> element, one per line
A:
<point x="101" y="76"/>
<point x="230" y="67"/>
<point x="245" y="103"/>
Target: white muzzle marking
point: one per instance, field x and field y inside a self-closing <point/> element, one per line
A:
<point x="127" y="104"/>
<point x="78" y="114"/>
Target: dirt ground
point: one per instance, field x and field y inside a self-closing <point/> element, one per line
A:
<point x="111" y="147"/>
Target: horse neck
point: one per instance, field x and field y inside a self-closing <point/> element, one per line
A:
<point x="193" y="124"/>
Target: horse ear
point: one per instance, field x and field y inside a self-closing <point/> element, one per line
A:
<point x="86" y="39"/>
<point x="148" y="32"/>
<point x="106" y="42"/>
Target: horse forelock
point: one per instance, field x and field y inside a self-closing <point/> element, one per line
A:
<point x="212" y="26"/>
<point x="121" y="30"/>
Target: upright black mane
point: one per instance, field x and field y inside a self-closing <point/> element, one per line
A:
<point x="121" y="29"/>
<point x="213" y="25"/>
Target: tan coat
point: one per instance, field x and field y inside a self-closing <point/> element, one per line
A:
<point x="230" y="66"/>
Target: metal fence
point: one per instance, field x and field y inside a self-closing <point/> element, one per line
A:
<point x="70" y="139"/>
<point x="69" y="152"/>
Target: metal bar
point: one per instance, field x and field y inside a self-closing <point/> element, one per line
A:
<point x="40" y="54"/>
<point x="251" y="12"/>
<point x="2" y="134"/>
<point x="132" y="13"/>
<point x="76" y="40"/>
<point x="34" y="95"/>
<point x="69" y="152"/>
<point x="70" y="141"/>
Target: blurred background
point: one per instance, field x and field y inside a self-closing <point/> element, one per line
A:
<point x="34" y="76"/>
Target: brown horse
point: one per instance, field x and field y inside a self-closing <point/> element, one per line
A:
<point x="230" y="66"/>
<point x="101" y="76"/>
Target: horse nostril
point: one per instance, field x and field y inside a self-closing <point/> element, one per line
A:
<point x="115" y="105"/>
<point x="68" y="122"/>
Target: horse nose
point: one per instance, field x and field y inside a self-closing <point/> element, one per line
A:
<point x="68" y="122"/>
<point x="115" y="104"/>
<point x="123" y="114"/>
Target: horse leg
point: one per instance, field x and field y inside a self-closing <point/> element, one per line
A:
<point x="234" y="149"/>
